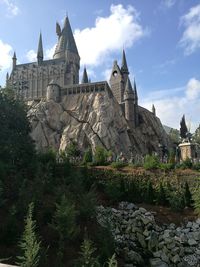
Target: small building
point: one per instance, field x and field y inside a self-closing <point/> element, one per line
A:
<point x="189" y="150"/>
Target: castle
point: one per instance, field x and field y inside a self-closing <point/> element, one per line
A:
<point x="55" y="78"/>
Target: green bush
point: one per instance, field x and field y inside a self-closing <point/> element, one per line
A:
<point x="151" y="162"/>
<point x="87" y="157"/>
<point x="166" y="166"/>
<point x="187" y="164"/>
<point x="176" y="200"/>
<point x="100" y="156"/>
<point x="118" y="165"/>
<point x="113" y="190"/>
<point x="196" y="166"/>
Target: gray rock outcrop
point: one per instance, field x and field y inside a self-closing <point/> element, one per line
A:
<point x="93" y="119"/>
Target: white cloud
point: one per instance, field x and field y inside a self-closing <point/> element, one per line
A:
<point x="31" y="55"/>
<point x="49" y="52"/>
<point x="193" y="89"/>
<point x="5" y="55"/>
<point x="110" y="34"/>
<point x="12" y="9"/>
<point x="171" y="107"/>
<point x="190" y="40"/>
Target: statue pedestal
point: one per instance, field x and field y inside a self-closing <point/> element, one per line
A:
<point x="189" y="150"/>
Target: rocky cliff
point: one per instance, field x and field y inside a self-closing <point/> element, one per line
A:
<point x="93" y="119"/>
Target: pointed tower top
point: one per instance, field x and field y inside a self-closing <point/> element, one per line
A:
<point x="135" y="90"/>
<point x="153" y="109"/>
<point x="124" y="67"/>
<point x="14" y="55"/>
<point x="66" y="40"/>
<point x="85" y="76"/>
<point x="128" y="93"/>
<point x="40" y="49"/>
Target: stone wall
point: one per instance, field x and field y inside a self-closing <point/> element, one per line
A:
<point x="141" y="242"/>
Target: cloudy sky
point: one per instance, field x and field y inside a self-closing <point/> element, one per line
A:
<point x="161" y="39"/>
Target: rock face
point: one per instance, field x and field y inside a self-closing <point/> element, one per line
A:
<point x="141" y="242"/>
<point x="93" y="119"/>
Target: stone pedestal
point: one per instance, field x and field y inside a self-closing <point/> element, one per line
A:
<point x="189" y="150"/>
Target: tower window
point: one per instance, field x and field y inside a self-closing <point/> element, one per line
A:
<point x="115" y="73"/>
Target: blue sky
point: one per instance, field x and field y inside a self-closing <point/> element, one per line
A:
<point x="161" y="39"/>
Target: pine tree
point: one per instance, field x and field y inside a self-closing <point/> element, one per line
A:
<point x="87" y="255"/>
<point x="196" y="199"/>
<point x="149" y="194"/>
<point x="29" y="244"/>
<point x="161" y="195"/>
<point x="187" y="195"/>
<point x="112" y="262"/>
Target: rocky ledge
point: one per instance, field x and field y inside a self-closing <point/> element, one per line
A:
<point x="93" y="119"/>
<point x="141" y="242"/>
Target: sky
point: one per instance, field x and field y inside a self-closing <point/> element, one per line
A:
<point x="161" y="39"/>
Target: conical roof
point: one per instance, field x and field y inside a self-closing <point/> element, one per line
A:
<point x="66" y="40"/>
<point x="85" y="76"/>
<point x="128" y="93"/>
<point x="40" y="48"/>
<point x="124" y="67"/>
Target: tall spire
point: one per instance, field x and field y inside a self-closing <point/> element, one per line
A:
<point x="129" y="93"/>
<point x="40" y="50"/>
<point x="14" y="60"/>
<point x="66" y="40"/>
<point x="85" y="76"/>
<point x="124" y="67"/>
<point x="135" y="91"/>
<point x="153" y="110"/>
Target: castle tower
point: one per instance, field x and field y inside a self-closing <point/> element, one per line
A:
<point x="85" y="76"/>
<point x="66" y="50"/>
<point x="117" y="83"/>
<point x="14" y="61"/>
<point x="153" y="110"/>
<point x="131" y="105"/>
<point x="53" y="92"/>
<point x="40" y="51"/>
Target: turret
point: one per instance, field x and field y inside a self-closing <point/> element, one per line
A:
<point x="14" y="60"/>
<point x="40" y="51"/>
<point x="53" y="92"/>
<point x="153" y="110"/>
<point x="131" y="106"/>
<point x="85" y="76"/>
<point x="66" y="50"/>
<point x="117" y="83"/>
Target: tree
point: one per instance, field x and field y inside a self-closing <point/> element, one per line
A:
<point x="65" y="223"/>
<point x="174" y="135"/>
<point x="87" y="251"/>
<point x="183" y="128"/>
<point x="16" y="145"/>
<point x="29" y="244"/>
<point x="196" y="136"/>
<point x="187" y="195"/>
